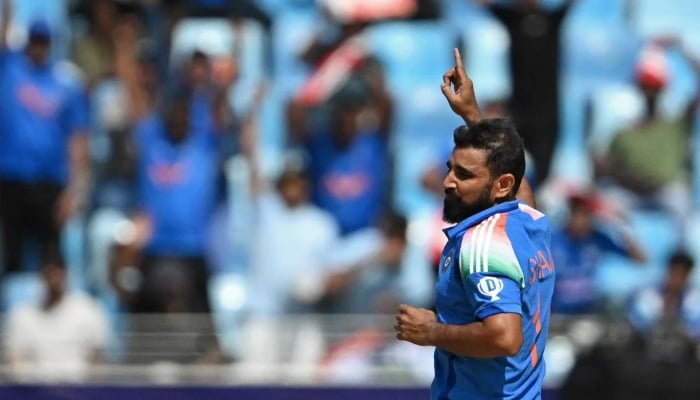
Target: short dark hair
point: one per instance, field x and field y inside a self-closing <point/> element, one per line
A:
<point x="503" y="144"/>
<point x="680" y="258"/>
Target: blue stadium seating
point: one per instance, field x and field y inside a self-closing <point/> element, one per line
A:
<point x="20" y="288"/>
<point x="658" y="17"/>
<point x="659" y="236"/>
<point x="291" y="31"/>
<point x="485" y="50"/>
<point x="413" y="52"/>
<point x="54" y="12"/>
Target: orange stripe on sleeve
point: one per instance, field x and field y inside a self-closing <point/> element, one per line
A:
<point x="533" y="354"/>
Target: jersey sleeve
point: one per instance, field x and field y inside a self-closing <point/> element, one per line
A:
<point x="490" y="294"/>
<point x="490" y="271"/>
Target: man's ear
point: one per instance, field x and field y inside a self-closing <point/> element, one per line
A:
<point x="503" y="187"/>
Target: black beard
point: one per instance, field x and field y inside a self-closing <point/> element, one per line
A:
<point x="455" y="210"/>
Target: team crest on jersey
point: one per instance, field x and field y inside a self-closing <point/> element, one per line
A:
<point x="490" y="286"/>
<point x="448" y="260"/>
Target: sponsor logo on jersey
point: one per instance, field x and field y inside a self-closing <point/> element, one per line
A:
<point x="490" y="286"/>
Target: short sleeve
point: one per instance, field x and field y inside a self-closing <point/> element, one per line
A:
<point x="491" y="274"/>
<point x="491" y="294"/>
<point x="487" y="248"/>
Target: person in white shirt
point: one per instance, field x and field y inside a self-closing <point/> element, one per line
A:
<point x="58" y="338"/>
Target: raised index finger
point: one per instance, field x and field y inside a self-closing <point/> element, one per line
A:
<point x="458" y="59"/>
<point x="459" y="67"/>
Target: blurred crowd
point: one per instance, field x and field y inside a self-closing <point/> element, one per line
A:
<point x="240" y="162"/>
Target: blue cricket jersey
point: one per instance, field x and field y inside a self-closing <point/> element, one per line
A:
<point x="350" y="182"/>
<point x="41" y="108"/>
<point x="177" y="187"/>
<point x="497" y="261"/>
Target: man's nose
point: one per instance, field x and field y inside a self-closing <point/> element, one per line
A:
<point x="449" y="181"/>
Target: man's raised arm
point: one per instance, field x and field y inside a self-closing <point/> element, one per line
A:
<point x="458" y="89"/>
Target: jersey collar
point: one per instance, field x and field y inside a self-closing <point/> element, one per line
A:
<point x="456" y="230"/>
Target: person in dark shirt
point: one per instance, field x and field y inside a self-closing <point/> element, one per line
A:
<point x="534" y="59"/>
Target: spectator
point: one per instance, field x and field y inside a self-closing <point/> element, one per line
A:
<point x="60" y="338"/>
<point x="349" y="166"/>
<point x="667" y="317"/>
<point x="372" y="285"/>
<point x="178" y="176"/>
<point x="638" y="176"/>
<point x="159" y="257"/>
<point x="577" y="250"/>
<point x="658" y="360"/>
<point x="289" y="284"/>
<point x="159" y="260"/>
<point x="93" y="51"/>
<point x="535" y="32"/>
<point x="285" y="269"/>
<point x="44" y="176"/>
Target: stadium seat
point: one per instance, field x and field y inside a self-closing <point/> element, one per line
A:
<point x="55" y="13"/>
<point x="21" y="288"/>
<point x="459" y="13"/>
<point x="273" y="132"/>
<point x="291" y="31"/>
<point x="658" y="17"/>
<point x="214" y="36"/>
<point x="486" y="47"/>
<point x="412" y="52"/>
<point x="612" y="107"/>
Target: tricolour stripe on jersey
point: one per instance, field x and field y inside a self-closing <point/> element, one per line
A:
<point x="490" y="250"/>
<point x="487" y="242"/>
<point x="478" y="246"/>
